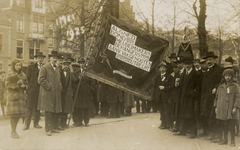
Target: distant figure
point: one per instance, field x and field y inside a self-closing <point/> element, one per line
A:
<point x="2" y="90"/>
<point x="185" y="49"/>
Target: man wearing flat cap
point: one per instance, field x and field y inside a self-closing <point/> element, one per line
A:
<point x="163" y="86"/>
<point x="33" y="92"/>
<point x="189" y="98"/>
<point x="210" y="81"/>
<point x="50" y="93"/>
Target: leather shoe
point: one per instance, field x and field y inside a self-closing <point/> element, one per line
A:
<point x="60" y="128"/>
<point x="209" y="138"/>
<point x="163" y="128"/>
<point x="55" y="131"/>
<point x="171" y="129"/>
<point x="203" y="134"/>
<point x="78" y="124"/>
<point x="14" y="135"/>
<point x="25" y="128"/>
<point x="37" y="126"/>
<point x="49" y="133"/>
<point x="192" y="136"/>
<point x="232" y="144"/>
<point x="223" y="142"/>
<point x="179" y="133"/>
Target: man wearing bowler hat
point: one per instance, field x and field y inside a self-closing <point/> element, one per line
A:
<point x="210" y="81"/>
<point x="33" y="92"/>
<point x="50" y="93"/>
<point x="189" y="98"/>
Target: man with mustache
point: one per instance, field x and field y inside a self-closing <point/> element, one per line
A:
<point x="210" y="81"/>
<point x="50" y="93"/>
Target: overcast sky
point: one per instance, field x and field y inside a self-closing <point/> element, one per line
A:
<point x="219" y="14"/>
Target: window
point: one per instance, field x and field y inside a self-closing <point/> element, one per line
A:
<point x="1" y="42"/>
<point x="21" y="3"/>
<point x="38" y="3"/>
<point x="34" y="48"/>
<point x="38" y="24"/>
<point x="20" y="22"/>
<point x="19" y="49"/>
<point x="50" y="38"/>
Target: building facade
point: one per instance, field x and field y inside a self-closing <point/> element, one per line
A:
<point x="25" y="29"/>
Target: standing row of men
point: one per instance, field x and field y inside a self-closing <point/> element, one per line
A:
<point x="51" y="89"/>
<point x="185" y="95"/>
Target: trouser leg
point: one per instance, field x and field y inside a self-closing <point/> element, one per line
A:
<point x="167" y="114"/>
<point x="162" y="117"/>
<point x="119" y="109"/>
<point x="3" y="110"/>
<point x="144" y="106"/>
<point x="138" y="105"/>
<point x="113" y="107"/>
<point x="86" y="116"/>
<point x="183" y="126"/>
<point x="36" y="116"/>
<point x="48" y="121"/>
<point x="231" y="126"/>
<point x="28" y="117"/>
<point x="55" y="120"/>
<point x="205" y="126"/>
<point x="63" y="120"/>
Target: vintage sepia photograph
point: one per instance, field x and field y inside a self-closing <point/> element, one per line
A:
<point x="119" y="74"/>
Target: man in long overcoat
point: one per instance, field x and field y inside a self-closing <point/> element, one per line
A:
<point x="210" y="81"/>
<point x="67" y="93"/>
<point x="33" y="92"/>
<point x="50" y="93"/>
<point x="189" y="98"/>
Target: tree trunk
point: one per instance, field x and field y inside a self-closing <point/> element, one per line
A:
<point x="203" y="47"/>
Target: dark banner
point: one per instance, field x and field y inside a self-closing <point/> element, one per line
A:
<point x="125" y="57"/>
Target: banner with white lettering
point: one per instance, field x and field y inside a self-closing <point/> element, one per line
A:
<point x="125" y="57"/>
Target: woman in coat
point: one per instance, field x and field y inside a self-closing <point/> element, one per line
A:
<point x="16" y="85"/>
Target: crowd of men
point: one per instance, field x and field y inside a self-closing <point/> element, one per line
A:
<point x="52" y="88"/>
<point x="185" y="90"/>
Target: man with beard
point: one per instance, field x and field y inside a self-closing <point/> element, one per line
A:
<point x="33" y="91"/>
<point x="50" y="93"/>
<point x="210" y="81"/>
<point x="189" y="98"/>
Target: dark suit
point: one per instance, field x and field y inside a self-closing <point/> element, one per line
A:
<point x="189" y="100"/>
<point x="33" y="93"/>
<point x="162" y="97"/>
<point x="210" y="80"/>
<point x="67" y="96"/>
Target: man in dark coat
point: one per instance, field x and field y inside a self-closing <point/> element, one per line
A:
<point x="114" y="97"/>
<point x="33" y="92"/>
<point x="163" y="85"/>
<point x="189" y="98"/>
<point x="84" y="101"/>
<point x="210" y="81"/>
<point x="67" y="93"/>
<point x="50" y="93"/>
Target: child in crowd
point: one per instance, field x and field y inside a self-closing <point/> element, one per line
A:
<point x="227" y="104"/>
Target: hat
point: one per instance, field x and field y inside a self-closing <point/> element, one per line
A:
<point x="82" y="60"/>
<point x="75" y="64"/>
<point x="210" y="54"/>
<point x="202" y="61"/>
<point x="185" y="40"/>
<point x="227" y="65"/>
<point x="162" y="64"/>
<point x="173" y="55"/>
<point x="1" y="72"/>
<point x="229" y="59"/>
<point x="53" y="53"/>
<point x="196" y="60"/>
<point x="187" y="60"/>
<point x="228" y="71"/>
<point x="39" y="54"/>
<point x="66" y="61"/>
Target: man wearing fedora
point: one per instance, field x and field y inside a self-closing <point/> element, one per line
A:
<point x="210" y="81"/>
<point x="189" y="98"/>
<point x="33" y="92"/>
<point x="67" y="92"/>
<point x="163" y="86"/>
<point x="50" y="93"/>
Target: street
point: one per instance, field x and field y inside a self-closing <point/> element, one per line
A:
<point x="137" y="132"/>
